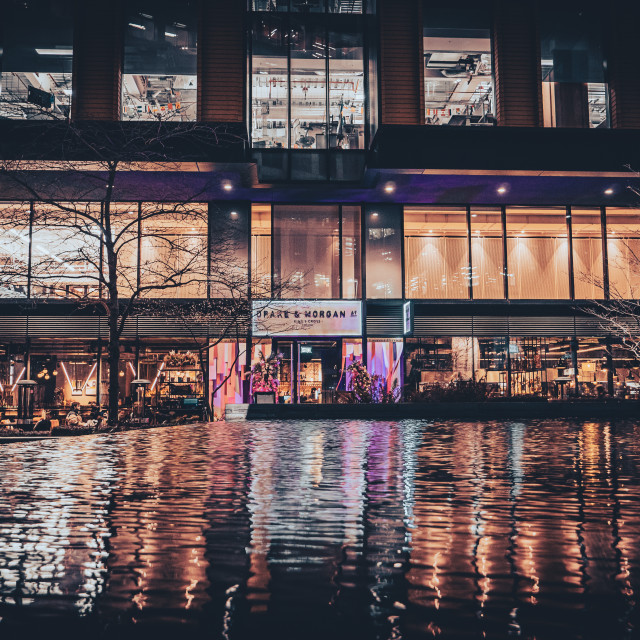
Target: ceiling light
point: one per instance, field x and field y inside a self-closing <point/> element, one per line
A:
<point x="54" y="52"/>
<point x="227" y="186"/>
<point x="137" y="26"/>
<point x="170" y="35"/>
<point x="374" y="215"/>
<point x="502" y="190"/>
<point x="234" y="214"/>
<point x="474" y="215"/>
<point x="608" y="192"/>
<point x="389" y="187"/>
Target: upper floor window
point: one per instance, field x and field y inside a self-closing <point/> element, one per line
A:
<point x="36" y="59"/>
<point x="310" y="6"/>
<point x="307" y="82"/>
<point x="574" y="88"/>
<point x="458" y="68"/>
<point x="160" y="60"/>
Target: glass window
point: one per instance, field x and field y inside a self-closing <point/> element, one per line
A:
<point x="307" y="81"/>
<point x="351" y="242"/>
<point x="623" y="251"/>
<point x="261" y="251"/>
<point x="574" y="88"/>
<point x="384" y="360"/>
<point x="124" y="232"/>
<point x="308" y="85"/>
<point x="173" y="260"/>
<point x="14" y="249"/>
<point x="65" y="250"/>
<point x="491" y="364"/>
<point x="537" y="253"/>
<point x="458" y="77"/>
<point x="160" y="60"/>
<point x="229" y="250"/>
<point x="269" y="82"/>
<point x="487" y="254"/>
<point x="309" y="6"/>
<point x="36" y="60"/>
<point x="587" y="253"/>
<point x="306" y="251"/>
<point x="384" y="251"/>
<point x="436" y="252"/>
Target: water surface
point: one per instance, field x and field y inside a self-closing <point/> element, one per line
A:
<point x="371" y="530"/>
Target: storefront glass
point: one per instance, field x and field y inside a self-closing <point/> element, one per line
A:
<point x="261" y="250"/>
<point x="384" y="360"/>
<point x="487" y="254"/>
<point x="36" y="59"/>
<point x="587" y="253"/>
<point x="160" y="60"/>
<point x="492" y="364"/>
<point x="14" y="250"/>
<point x="623" y="252"/>
<point x="227" y="374"/>
<point x="384" y="251"/>
<point x="306" y="251"/>
<point x="458" y="77"/>
<point x="537" y="253"/>
<point x="173" y="255"/>
<point x="351" y="252"/>
<point x="436" y="252"/>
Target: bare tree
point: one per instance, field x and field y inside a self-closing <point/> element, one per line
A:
<point x="89" y="245"/>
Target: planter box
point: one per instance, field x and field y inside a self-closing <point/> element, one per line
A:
<point x="264" y="397"/>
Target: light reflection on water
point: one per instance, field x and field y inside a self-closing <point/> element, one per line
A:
<point x="325" y="529"/>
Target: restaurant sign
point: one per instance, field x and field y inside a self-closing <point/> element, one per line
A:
<point x="319" y="318"/>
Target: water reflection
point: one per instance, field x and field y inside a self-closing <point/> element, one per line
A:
<point x="317" y="530"/>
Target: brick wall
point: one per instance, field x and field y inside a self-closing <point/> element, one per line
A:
<point x="97" y="61"/>
<point x="401" y="76"/>
<point x="221" y="61"/>
<point x="517" y="64"/>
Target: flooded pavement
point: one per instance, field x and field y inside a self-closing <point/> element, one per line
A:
<point x="332" y="529"/>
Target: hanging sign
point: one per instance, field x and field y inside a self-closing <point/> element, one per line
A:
<point x="319" y="318"/>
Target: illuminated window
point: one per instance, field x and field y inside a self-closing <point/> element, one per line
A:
<point x="384" y="251"/>
<point x="623" y="252"/>
<point x="36" y="60"/>
<point x="14" y="249"/>
<point x="160" y="61"/>
<point x="587" y="253"/>
<point x="458" y="69"/>
<point x="436" y="252"/>
<point x="487" y="254"/>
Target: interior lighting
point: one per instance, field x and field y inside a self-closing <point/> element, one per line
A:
<point x="132" y="369"/>
<point x="157" y="375"/>
<point x="608" y="192"/>
<point x="66" y="375"/>
<point x="374" y="215"/>
<point x="54" y="52"/>
<point x="170" y="35"/>
<point x="227" y="186"/>
<point x="89" y="376"/>
<point x="234" y="214"/>
<point x="18" y="379"/>
<point x="389" y="187"/>
<point x="137" y="26"/>
<point x="502" y="190"/>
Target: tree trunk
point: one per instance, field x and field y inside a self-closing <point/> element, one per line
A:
<point x="114" y="363"/>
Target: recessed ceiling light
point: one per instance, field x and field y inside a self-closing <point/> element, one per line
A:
<point x="234" y="214"/>
<point x="474" y="215"/>
<point x="389" y="187"/>
<point x="227" y="186"/>
<point x="502" y="189"/>
<point x="374" y="215"/>
<point x="608" y="192"/>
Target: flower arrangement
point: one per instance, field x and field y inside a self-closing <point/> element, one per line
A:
<point x="179" y="359"/>
<point x="360" y="382"/>
<point x="264" y="373"/>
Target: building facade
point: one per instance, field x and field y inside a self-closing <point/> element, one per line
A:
<point x="444" y="193"/>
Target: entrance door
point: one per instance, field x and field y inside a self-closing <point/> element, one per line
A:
<point x="319" y="364"/>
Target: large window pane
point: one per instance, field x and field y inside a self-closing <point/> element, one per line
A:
<point x="346" y="87"/>
<point x="160" y="62"/>
<point x="306" y="251"/>
<point x="308" y="86"/>
<point x="261" y="251"/>
<point x="574" y="89"/>
<point x="623" y="252"/>
<point x="65" y="259"/>
<point x="436" y="252"/>
<point x="458" y="80"/>
<point x="36" y="59"/>
<point x="537" y="253"/>
<point x="587" y="253"/>
<point x="487" y="254"/>
<point x="123" y="218"/>
<point x="173" y="261"/>
<point x="14" y="249"/>
<point x="384" y="251"/>
<point x="269" y="82"/>
<point x="351" y="248"/>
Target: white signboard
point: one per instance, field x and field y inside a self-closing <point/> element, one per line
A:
<point x="406" y="317"/>
<point x="318" y="318"/>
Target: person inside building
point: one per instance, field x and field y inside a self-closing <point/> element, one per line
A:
<point x="74" y="419"/>
<point x="44" y="424"/>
